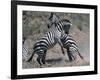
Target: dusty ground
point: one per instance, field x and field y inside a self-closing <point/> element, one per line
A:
<point x="55" y="58"/>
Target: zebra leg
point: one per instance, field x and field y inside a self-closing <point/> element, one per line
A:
<point x="70" y="56"/>
<point x="39" y="60"/>
<point x="77" y="53"/>
<point x="61" y="45"/>
<point x="62" y="50"/>
<point x="80" y="55"/>
<point x="44" y="57"/>
<point x="40" y="57"/>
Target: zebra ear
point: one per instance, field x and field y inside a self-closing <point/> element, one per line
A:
<point x="52" y="13"/>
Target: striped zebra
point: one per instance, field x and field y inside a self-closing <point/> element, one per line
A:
<point x="63" y="25"/>
<point x="66" y="40"/>
<point x="24" y="49"/>
<point x="50" y="38"/>
<point x="71" y="46"/>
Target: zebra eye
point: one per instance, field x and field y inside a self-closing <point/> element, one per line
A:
<point x="50" y="18"/>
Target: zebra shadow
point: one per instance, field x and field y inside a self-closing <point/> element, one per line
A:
<point x="53" y="61"/>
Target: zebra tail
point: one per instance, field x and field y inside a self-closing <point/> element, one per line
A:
<point x="30" y="57"/>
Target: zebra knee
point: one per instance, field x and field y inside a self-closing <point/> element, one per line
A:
<point x="70" y="57"/>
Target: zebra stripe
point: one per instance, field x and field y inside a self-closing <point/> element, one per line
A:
<point x="24" y="52"/>
<point x="70" y="44"/>
<point x="42" y="45"/>
<point x="49" y="39"/>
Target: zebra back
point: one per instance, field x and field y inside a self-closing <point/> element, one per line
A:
<point x="46" y="42"/>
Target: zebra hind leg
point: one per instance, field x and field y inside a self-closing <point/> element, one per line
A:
<point x="71" y="57"/>
<point x="80" y="55"/>
<point x="30" y="57"/>
<point x="41" y="59"/>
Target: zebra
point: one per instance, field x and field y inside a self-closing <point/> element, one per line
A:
<point x="71" y="46"/>
<point x="66" y="41"/>
<point x="60" y="26"/>
<point x="41" y="46"/>
<point x="50" y="38"/>
<point x="24" y="49"/>
<point x="63" y="25"/>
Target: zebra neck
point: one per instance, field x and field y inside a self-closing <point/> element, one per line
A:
<point x="59" y="26"/>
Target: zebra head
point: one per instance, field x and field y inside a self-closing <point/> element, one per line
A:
<point x="53" y="18"/>
<point x="60" y="24"/>
<point x="66" y="25"/>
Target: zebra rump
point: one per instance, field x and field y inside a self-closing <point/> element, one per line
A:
<point x="70" y="44"/>
<point x="41" y="46"/>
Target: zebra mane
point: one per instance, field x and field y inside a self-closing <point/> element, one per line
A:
<point x="66" y="20"/>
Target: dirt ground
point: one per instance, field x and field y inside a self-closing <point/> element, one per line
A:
<point x="55" y="58"/>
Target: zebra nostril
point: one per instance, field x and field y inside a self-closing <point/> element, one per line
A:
<point x="48" y="26"/>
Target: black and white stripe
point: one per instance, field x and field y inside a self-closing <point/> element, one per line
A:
<point x="62" y="25"/>
<point x="42" y="45"/>
<point x="24" y="52"/>
<point x="50" y="38"/>
<point x="24" y="49"/>
<point x="71" y="46"/>
<point x="66" y="40"/>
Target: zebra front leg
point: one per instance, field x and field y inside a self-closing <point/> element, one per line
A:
<point x="61" y="45"/>
<point x="62" y="50"/>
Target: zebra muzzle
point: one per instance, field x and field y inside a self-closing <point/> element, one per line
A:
<point x="48" y="25"/>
